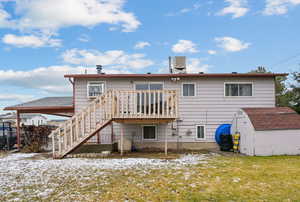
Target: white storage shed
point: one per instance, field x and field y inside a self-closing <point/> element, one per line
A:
<point x="268" y="131"/>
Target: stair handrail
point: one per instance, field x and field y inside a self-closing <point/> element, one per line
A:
<point x="63" y="126"/>
<point x="110" y="110"/>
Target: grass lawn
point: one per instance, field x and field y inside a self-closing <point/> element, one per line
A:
<point x="3" y="154"/>
<point x="219" y="178"/>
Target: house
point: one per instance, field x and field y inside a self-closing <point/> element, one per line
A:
<point x="177" y="110"/>
<point x="26" y="119"/>
<point x="55" y="122"/>
<point x="268" y="131"/>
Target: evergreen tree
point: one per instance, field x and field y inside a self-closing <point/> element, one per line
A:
<point x="294" y="92"/>
<point x="282" y="99"/>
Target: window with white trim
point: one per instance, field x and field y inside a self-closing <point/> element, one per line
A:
<point x="95" y="89"/>
<point x="188" y="89"/>
<point x="200" y="132"/>
<point x="149" y="132"/>
<point x="238" y="89"/>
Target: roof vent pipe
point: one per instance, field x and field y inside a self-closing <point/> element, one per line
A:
<point x="99" y="69"/>
<point x="170" y="65"/>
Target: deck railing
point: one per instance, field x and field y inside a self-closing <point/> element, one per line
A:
<point x="145" y="104"/>
<point x="113" y="105"/>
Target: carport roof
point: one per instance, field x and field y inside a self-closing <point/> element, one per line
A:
<point x="44" y="102"/>
<point x="61" y="106"/>
<point x="275" y="118"/>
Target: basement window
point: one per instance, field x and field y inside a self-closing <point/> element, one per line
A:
<point x="95" y="89"/>
<point x="238" y="89"/>
<point x="149" y="132"/>
<point x="200" y="130"/>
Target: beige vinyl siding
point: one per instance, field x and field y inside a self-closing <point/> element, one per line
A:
<point x="208" y="107"/>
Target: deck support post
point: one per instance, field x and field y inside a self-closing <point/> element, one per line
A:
<point x="98" y="138"/>
<point x="18" y="131"/>
<point x="166" y="143"/>
<point x="122" y="140"/>
<point x="53" y="144"/>
<point x="112" y="133"/>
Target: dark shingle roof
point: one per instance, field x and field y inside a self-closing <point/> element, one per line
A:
<point x="174" y="75"/>
<point x="276" y="118"/>
<point x="45" y="102"/>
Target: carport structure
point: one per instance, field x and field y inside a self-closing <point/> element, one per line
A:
<point x="58" y="106"/>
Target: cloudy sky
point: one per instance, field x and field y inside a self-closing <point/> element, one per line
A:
<point x="41" y="40"/>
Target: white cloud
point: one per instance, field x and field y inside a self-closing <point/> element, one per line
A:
<point x="196" y="6"/>
<point x="237" y="8"/>
<point x="182" y="11"/>
<point x="162" y="43"/>
<point x="30" y="41"/>
<point x="141" y="45"/>
<point x="212" y="52"/>
<point x="4" y="16"/>
<point x="51" y="15"/>
<point x="51" y="79"/>
<point x="184" y="46"/>
<point x="113" y="29"/>
<point x="231" y="44"/>
<point x="84" y="38"/>
<point x="185" y="10"/>
<point x="113" y="58"/>
<point x="47" y="79"/>
<point x="16" y="97"/>
<point x="279" y="7"/>
<point x="195" y="65"/>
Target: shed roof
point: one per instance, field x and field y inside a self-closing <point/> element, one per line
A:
<point x="47" y="102"/>
<point x="174" y="75"/>
<point x="276" y="118"/>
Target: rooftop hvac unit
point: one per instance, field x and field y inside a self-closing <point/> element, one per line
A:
<point x="179" y="65"/>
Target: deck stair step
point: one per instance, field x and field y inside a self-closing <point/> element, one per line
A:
<point x="110" y="106"/>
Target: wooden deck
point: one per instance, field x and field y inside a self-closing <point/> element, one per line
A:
<point x="131" y="107"/>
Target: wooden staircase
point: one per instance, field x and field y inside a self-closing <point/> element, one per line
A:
<point x="112" y="106"/>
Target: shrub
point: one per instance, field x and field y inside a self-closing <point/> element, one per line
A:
<point x="35" y="138"/>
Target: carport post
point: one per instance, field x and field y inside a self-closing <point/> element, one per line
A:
<point x="18" y="130"/>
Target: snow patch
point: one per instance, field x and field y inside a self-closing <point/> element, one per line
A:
<point x="18" y="171"/>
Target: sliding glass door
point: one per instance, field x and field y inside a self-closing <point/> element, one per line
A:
<point x="149" y="101"/>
